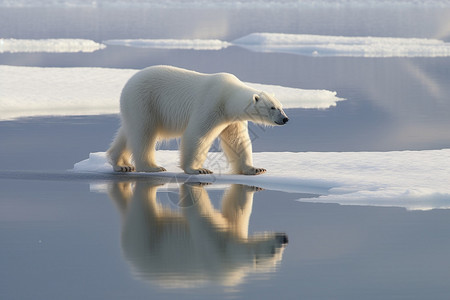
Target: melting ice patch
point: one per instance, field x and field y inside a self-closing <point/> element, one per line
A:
<point x="416" y="180"/>
<point x="186" y="44"/>
<point x="49" y="45"/>
<point x="33" y="91"/>
<point x="305" y="44"/>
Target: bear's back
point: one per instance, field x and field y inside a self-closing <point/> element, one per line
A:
<point x="164" y="83"/>
<point x="164" y="95"/>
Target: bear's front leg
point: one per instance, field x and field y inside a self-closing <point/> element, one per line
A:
<point x="192" y="158"/>
<point x="143" y="142"/>
<point x="195" y="144"/>
<point x="237" y="146"/>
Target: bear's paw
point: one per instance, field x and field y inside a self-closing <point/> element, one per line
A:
<point x="254" y="171"/>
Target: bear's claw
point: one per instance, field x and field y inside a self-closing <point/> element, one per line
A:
<point x="260" y="171"/>
<point x="123" y="169"/>
<point x="204" y="171"/>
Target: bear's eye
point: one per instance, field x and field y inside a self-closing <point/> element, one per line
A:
<point x="273" y="107"/>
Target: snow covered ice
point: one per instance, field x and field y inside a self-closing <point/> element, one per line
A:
<point x="34" y="91"/>
<point x="187" y="44"/>
<point x="48" y="45"/>
<point x="416" y="180"/>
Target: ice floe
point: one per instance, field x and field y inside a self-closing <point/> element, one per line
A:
<point x="35" y="91"/>
<point x="187" y="44"/>
<point x="48" y="45"/>
<point x="416" y="180"/>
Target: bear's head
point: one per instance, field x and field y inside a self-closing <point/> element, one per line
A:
<point x="266" y="109"/>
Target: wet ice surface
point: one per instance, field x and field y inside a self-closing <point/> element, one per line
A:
<point x="91" y="236"/>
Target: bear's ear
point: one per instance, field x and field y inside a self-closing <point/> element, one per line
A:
<point x="255" y="98"/>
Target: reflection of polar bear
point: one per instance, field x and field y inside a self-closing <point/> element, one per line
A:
<point x="197" y="244"/>
<point x="165" y="102"/>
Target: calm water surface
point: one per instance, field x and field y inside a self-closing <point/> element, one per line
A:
<point x="135" y="240"/>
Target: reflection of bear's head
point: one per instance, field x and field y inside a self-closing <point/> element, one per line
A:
<point x="193" y="245"/>
<point x="266" y="109"/>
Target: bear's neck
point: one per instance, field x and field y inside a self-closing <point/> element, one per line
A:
<point x="239" y="103"/>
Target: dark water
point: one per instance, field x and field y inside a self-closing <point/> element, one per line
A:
<point x="61" y="240"/>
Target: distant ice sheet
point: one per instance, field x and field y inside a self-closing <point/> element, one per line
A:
<point x="416" y="180"/>
<point x="302" y="44"/>
<point x="33" y="91"/>
<point x="306" y="44"/>
<point x="318" y="45"/>
<point x="49" y="45"/>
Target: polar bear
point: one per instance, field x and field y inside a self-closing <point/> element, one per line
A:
<point x="163" y="102"/>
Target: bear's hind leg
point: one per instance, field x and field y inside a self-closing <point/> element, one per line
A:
<point x="143" y="146"/>
<point x="119" y="155"/>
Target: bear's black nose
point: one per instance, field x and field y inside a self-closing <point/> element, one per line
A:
<point x="285" y="120"/>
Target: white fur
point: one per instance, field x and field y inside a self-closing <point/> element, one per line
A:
<point x="164" y="102"/>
